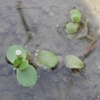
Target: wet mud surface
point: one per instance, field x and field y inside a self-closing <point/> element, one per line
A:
<point x="43" y="17"/>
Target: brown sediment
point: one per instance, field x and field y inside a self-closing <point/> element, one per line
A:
<point x="19" y="8"/>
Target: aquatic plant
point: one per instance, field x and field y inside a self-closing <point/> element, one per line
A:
<point x="73" y="26"/>
<point x="25" y="73"/>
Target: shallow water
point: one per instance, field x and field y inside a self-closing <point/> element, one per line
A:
<point x="43" y="17"/>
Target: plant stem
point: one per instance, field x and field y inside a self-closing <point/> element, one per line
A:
<point x="90" y="37"/>
<point x="89" y="49"/>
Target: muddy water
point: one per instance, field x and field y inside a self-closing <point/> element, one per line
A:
<point x="43" y="17"/>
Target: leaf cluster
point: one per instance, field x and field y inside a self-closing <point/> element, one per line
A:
<point x="25" y="73"/>
<point x="72" y="27"/>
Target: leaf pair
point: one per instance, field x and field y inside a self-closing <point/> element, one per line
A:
<point x="72" y="27"/>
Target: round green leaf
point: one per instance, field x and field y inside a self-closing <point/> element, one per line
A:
<point x="71" y="27"/>
<point x="23" y="65"/>
<point x="75" y="15"/>
<point x="27" y="77"/>
<point x="72" y="61"/>
<point x="47" y="58"/>
<point x="11" y="55"/>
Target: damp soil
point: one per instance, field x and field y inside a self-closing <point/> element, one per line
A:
<point x="43" y="17"/>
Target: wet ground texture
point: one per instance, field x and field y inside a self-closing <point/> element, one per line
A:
<point x="43" y="17"/>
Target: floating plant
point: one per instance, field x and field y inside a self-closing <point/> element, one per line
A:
<point x="25" y="73"/>
<point x="73" y="26"/>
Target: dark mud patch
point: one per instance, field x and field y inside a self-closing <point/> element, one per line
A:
<point x="43" y="17"/>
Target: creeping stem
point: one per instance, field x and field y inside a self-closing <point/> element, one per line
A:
<point x="88" y="49"/>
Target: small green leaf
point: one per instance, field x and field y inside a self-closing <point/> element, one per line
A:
<point x="47" y="58"/>
<point x="75" y="15"/>
<point x="23" y="65"/>
<point x="18" y="61"/>
<point x="11" y="55"/>
<point x="71" y="27"/>
<point x="27" y="77"/>
<point x="72" y="61"/>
